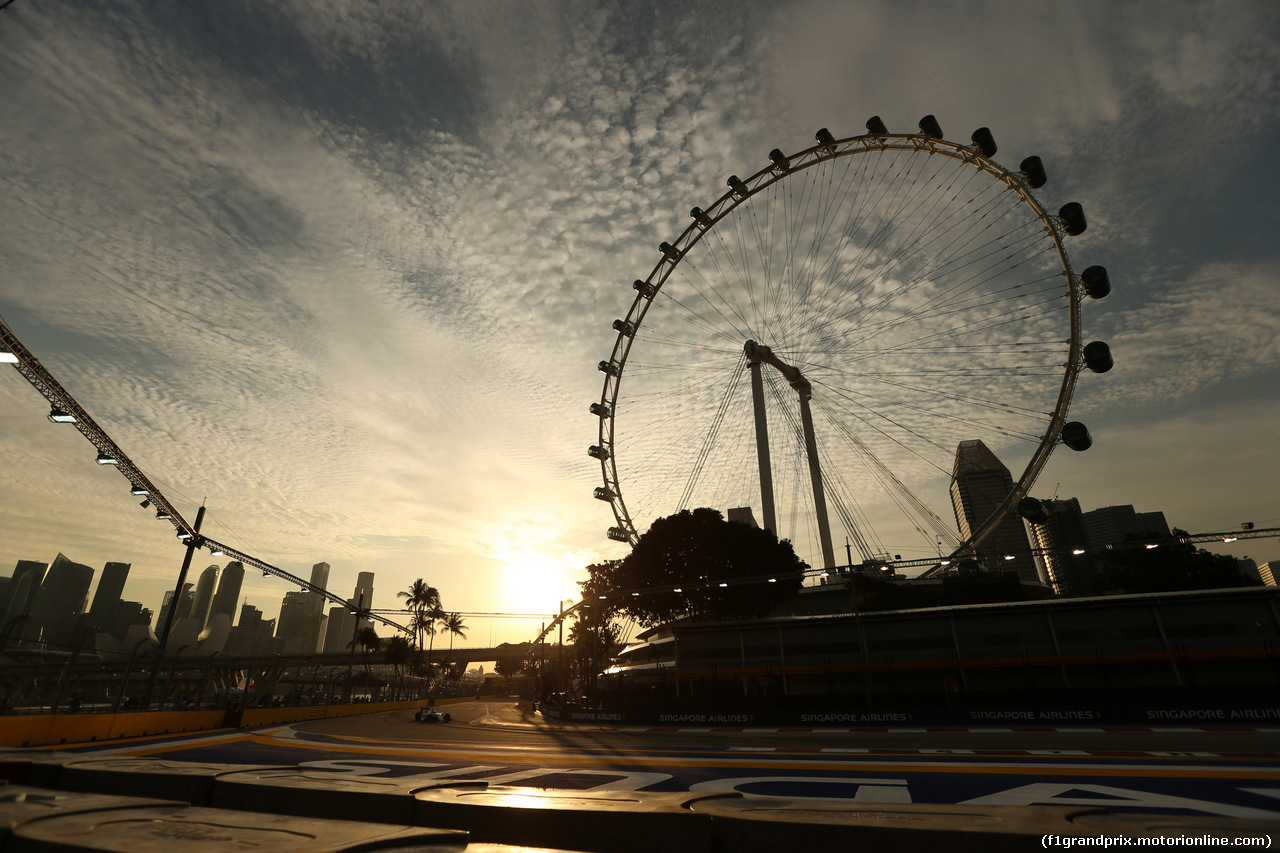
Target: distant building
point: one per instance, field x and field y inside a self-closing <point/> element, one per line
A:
<point x="106" y="598"/>
<point x="61" y="598"/>
<point x="979" y="483"/>
<point x="184" y="605"/>
<point x="205" y="588"/>
<point x="1057" y="539"/>
<point x="342" y="624"/>
<point x="230" y="581"/>
<point x="1115" y="524"/>
<point x="337" y="630"/>
<point x="1268" y="572"/>
<point x="741" y="515"/>
<point x="245" y="637"/>
<point x="299" y="624"/>
<point x="24" y="586"/>
<point x="128" y="614"/>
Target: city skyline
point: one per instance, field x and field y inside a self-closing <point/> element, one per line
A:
<point x="347" y="271"/>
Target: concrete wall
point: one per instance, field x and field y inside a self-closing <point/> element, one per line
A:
<point x="55" y="729"/>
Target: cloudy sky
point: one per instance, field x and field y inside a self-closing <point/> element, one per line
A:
<point x="346" y="269"/>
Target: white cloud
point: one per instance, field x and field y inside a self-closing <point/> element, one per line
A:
<point x="367" y="322"/>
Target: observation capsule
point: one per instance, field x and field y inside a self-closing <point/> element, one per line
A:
<point x="610" y="367"/>
<point x="1076" y="436"/>
<point x="929" y="127"/>
<point x="984" y="141"/>
<point x="617" y="534"/>
<point x="1072" y="215"/>
<point x="825" y="138"/>
<point x="876" y="127"/>
<point x="597" y="452"/>
<point x="700" y="216"/>
<point x="602" y="493"/>
<point x="1096" y="281"/>
<point x="601" y="410"/>
<point x="670" y="252"/>
<point x="624" y="328"/>
<point x="1097" y="357"/>
<point x="779" y="160"/>
<point x="1032" y="509"/>
<point x="739" y="188"/>
<point x="1033" y="171"/>
<point x="644" y="288"/>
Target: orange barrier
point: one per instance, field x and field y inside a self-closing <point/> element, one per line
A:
<point x="54" y="729"/>
<point x="47" y="729"/>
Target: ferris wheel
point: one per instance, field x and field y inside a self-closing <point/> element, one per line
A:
<point x="819" y="340"/>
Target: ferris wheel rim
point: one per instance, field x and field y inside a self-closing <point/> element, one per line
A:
<point x="782" y="168"/>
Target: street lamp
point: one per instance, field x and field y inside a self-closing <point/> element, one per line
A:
<point x="124" y="683"/>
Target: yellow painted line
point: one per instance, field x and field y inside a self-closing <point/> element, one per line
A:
<point x="160" y="749"/>
<point x="134" y="739"/>
<point x="543" y="759"/>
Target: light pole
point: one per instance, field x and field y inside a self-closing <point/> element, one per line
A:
<point x="192" y="544"/>
<point x="351" y="659"/>
<point x="124" y="684"/>
<point x="71" y="667"/>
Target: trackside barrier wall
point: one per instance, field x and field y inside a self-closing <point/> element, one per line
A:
<point x="54" y="729"/>
<point x="596" y="821"/>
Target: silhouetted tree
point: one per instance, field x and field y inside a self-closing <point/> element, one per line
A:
<point x="508" y="667"/>
<point x="1173" y="566"/>
<point x="695" y="552"/>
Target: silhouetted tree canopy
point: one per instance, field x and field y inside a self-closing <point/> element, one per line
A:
<point x="508" y="667"/>
<point x="868" y="592"/>
<point x="696" y="551"/>
<point x="1172" y="566"/>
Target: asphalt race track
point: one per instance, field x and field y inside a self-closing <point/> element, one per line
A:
<point x="1224" y="772"/>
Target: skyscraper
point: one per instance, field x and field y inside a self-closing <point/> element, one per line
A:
<point x="320" y="580"/>
<point x="61" y="598"/>
<point x="342" y="625"/>
<point x="205" y="589"/>
<point x="1059" y="536"/>
<point x="184" y="605"/>
<point x="246" y="638"/>
<point x="228" y="595"/>
<point x="1112" y="525"/>
<point x="296" y="629"/>
<point x="338" y="630"/>
<point x="23" y="588"/>
<point x="106" y="599"/>
<point x="979" y="482"/>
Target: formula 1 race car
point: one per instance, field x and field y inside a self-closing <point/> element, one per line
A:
<point x="431" y="715"/>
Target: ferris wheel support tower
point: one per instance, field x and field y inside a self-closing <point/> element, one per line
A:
<point x="756" y="355"/>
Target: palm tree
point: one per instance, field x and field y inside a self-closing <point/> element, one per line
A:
<point x="452" y="622"/>
<point x="399" y="654"/>
<point x="423" y="622"/>
<point x="369" y="641"/>
<point x="420" y="597"/>
<point x="432" y="615"/>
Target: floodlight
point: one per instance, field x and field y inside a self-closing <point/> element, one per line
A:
<point x="59" y="416"/>
<point x="107" y="459"/>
